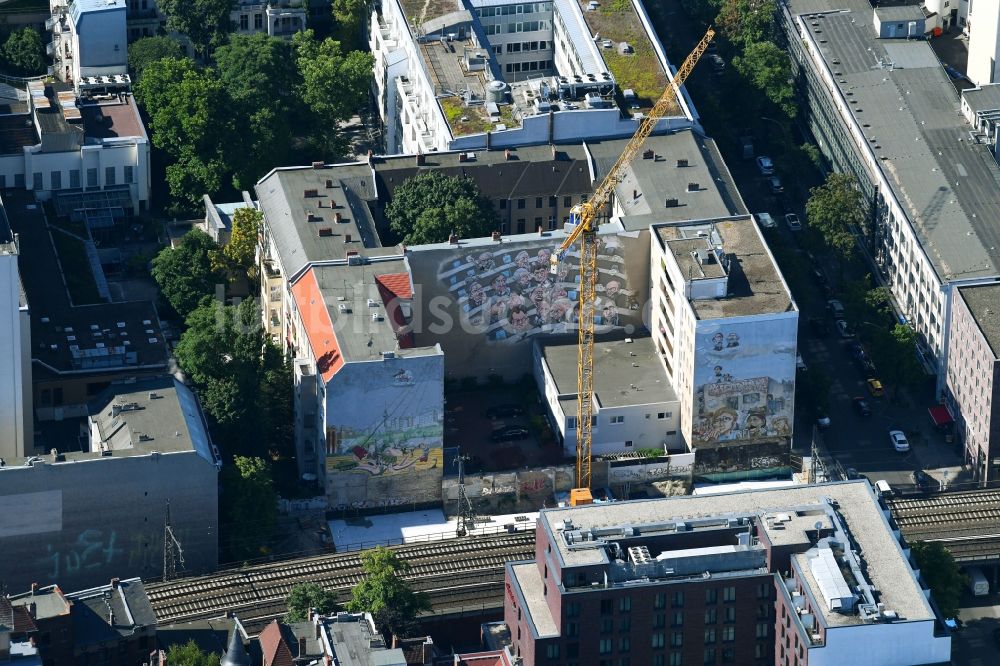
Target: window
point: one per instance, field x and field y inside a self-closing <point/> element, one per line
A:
<point x="711" y="595"/>
<point x="728" y="655"/>
<point x="244" y="22"/>
<point x="762" y="629"/>
<point x="764" y="591"/>
<point x="730" y="614"/>
<point x="520" y="204"/>
<point x="625" y="623"/>
<point x="129" y="174"/>
<point x="709" y="655"/>
<point x="624" y="644"/>
<point x="659" y="621"/>
<point x="710" y="617"/>
<point x="572" y="630"/>
<point x="710" y="635"/>
<point x="676" y="659"/>
<point x="759" y="651"/>
<point x="538" y="224"/>
<point x="729" y="594"/>
<point x="677" y="601"/>
<point x="109" y="175"/>
<point x="552" y="222"/>
<point x="258" y="21"/>
<point x="607" y="625"/>
<point x="36" y="180"/>
<point x="552" y="650"/>
<point x="728" y="634"/>
<point x="573" y="609"/>
<point x="56" y="179"/>
<point x="660" y="601"/>
<point x="520" y="225"/>
<point x="607" y="606"/>
<point x="19" y="180"/>
<point x="538" y="202"/>
<point x="676" y="638"/>
<point x="625" y="604"/>
<point x="553" y="202"/>
<point x="74" y="178"/>
<point x="671" y="432"/>
<point x="567" y="202"/>
<point x="656" y="639"/>
<point x="571" y="423"/>
<point x="616" y="420"/>
<point x="605" y="646"/>
<point x="678" y="619"/>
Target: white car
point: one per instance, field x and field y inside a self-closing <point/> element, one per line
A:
<point x="792" y="220"/>
<point x="899" y="441"/>
<point x="765" y="165"/>
<point x="843" y="329"/>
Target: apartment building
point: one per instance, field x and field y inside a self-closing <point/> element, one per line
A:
<point x="799" y="575"/>
<point x="17" y="437"/>
<point x="277" y="18"/>
<point x="883" y="109"/>
<point x="89" y="39"/>
<point x="486" y="73"/>
<point x="973" y="374"/>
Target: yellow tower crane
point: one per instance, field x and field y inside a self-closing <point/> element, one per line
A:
<point x="584" y="217"/>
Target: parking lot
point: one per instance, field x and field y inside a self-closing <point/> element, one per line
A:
<point x="475" y="419"/>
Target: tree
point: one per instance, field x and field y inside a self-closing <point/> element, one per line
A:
<point x="260" y="75"/>
<point x="834" y="209"/>
<point x="745" y="22"/>
<point x="205" y="22"/>
<point x="189" y="654"/>
<point x="249" y="508"/>
<point x="383" y="592"/>
<point x="349" y="15"/>
<point x="187" y="112"/>
<point x="24" y="52"/>
<point x="430" y="206"/>
<point x="143" y="51"/>
<point x="879" y="301"/>
<point x="185" y="274"/>
<point x="304" y="597"/>
<point x="896" y="353"/>
<point x="941" y="573"/>
<point x="241" y="250"/>
<point x="333" y="86"/>
<point x="767" y="66"/>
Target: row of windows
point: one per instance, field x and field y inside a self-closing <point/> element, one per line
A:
<point x="539" y="202"/>
<point x="56" y="178"/>
<point x="518" y="47"/>
<point x="532" y="66"/>
<point x="258" y="22"/>
<point x="509" y="10"/>
<point x="514" y="28"/>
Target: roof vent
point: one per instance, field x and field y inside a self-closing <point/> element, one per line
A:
<point x="682" y="163"/>
<point x="329" y="183"/>
<point x="648" y="154"/>
<point x="310" y="193"/>
<point x="326" y="232"/>
<point x="388" y="355"/>
<point x="372" y="303"/>
<point x="693" y="187"/>
<point x="344" y="308"/>
<point x="318" y="165"/>
<point x="671" y="203"/>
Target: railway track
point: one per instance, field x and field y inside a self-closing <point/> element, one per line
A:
<point x="257" y="593"/>
<point x="952" y="518"/>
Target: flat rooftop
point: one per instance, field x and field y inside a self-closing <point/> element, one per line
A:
<point x="887" y="568"/>
<point x="112" y="119"/>
<point x="107" y="336"/>
<point x="905" y="104"/>
<point x="984" y="304"/>
<point x="627" y="373"/>
<point x="985" y="98"/>
<point x="755" y="284"/>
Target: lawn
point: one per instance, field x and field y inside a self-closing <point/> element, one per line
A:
<point x="76" y="269"/>
<point x="476" y="120"/>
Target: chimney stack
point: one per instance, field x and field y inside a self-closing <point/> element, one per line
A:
<point x="496" y="236"/>
<point x="506" y="154"/>
<point x="114" y="583"/>
<point x="34" y="588"/>
<point x="540" y="230"/>
<point x="420" y="159"/>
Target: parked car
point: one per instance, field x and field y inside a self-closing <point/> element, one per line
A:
<point x="843" y="329"/>
<point x="822" y="420"/>
<point x="857" y="350"/>
<point x="862" y="407"/>
<point x="716" y="62"/>
<point x="875" y="387"/>
<point x="774" y="184"/>
<point x="836" y="308"/>
<point x="766" y="221"/>
<point x="852" y="473"/>
<point x="504" y="411"/>
<point x="819" y="327"/>
<point x="792" y="220"/>
<point x="765" y="165"/>
<point x="899" y="441"/>
<point x="922" y="480"/>
<point x="509" y="434"/>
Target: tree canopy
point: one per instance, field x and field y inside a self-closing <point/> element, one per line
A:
<point x="430" y="206"/>
<point x="767" y="66"/>
<point x="143" y="51"/>
<point x="896" y="350"/>
<point x="241" y="250"/>
<point x="24" y="53"/>
<point x="304" y="597"/>
<point x="383" y="592"/>
<point x="941" y="573"/>
<point x="205" y="22"/>
<point x="745" y="22"/>
<point x="249" y="507"/>
<point x="349" y="15"/>
<point x="833" y="209"/>
<point x="185" y="275"/>
<point x="189" y="654"/>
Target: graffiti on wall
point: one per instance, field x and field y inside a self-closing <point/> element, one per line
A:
<point x="509" y="293"/>
<point x="744" y="381"/>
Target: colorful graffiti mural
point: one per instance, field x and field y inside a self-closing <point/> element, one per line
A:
<point x="509" y="293"/>
<point x="744" y="381"/>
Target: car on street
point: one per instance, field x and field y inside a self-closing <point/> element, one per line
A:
<point x="716" y="62"/>
<point x="899" y="441"/>
<point x="766" y="221"/>
<point x="509" y="434"/>
<point x="792" y="220"/>
<point x="852" y="473"/>
<point x="922" y="480"/>
<point x="822" y="420"/>
<point x="819" y="327"/>
<point x="774" y="184"/>
<point x="765" y="165"/>
<point x="875" y="387"/>
<point x="857" y="350"/>
<point x="861" y="406"/>
<point x="843" y="329"/>
<point x="836" y="308"/>
<point x="504" y="411"/>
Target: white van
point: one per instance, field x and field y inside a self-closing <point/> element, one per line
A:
<point x="883" y="489"/>
<point x="977" y="581"/>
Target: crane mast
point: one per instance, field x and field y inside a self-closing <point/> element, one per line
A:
<point x="584" y="217"/>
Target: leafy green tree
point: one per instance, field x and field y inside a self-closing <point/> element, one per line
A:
<point x="745" y="22"/>
<point x="382" y="592"/>
<point x="333" y="86"/>
<point x="349" y="15"/>
<point x="186" y="108"/>
<point x="260" y="75"/>
<point x="879" y="301"/>
<point x="249" y="508"/>
<point x="185" y="274"/>
<point x="833" y="209"/>
<point x="703" y="11"/>
<point x="205" y="22"/>
<point x="143" y="51"/>
<point x="767" y="66"/>
<point x="189" y="654"/>
<point x="304" y="597"/>
<point x="430" y="206"/>
<point x="941" y="573"/>
<point x="895" y="351"/>
<point x="24" y="52"/>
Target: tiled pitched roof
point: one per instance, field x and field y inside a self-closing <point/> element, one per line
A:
<point x="273" y="646"/>
<point x="318" y="325"/>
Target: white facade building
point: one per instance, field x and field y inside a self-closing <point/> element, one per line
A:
<point x="984" y="41"/>
<point x="89" y="39"/>
<point x="503" y="74"/>
<point x="277" y="18"/>
<point x="16" y="436"/>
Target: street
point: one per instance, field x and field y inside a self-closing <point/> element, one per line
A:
<point x="975" y="643"/>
